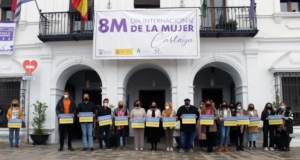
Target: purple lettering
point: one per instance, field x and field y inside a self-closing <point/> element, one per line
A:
<point x="103" y="28"/>
<point x="153" y="40"/>
<point x="133" y="28"/>
<point x="165" y="28"/>
<point x="191" y="28"/>
<point x="114" y="24"/>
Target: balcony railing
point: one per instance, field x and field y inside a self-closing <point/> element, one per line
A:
<point x="65" y="26"/>
<point x="228" y="22"/>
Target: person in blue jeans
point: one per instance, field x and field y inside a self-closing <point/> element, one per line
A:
<point x="224" y="111"/>
<point x="14" y="112"/>
<point x="102" y="111"/>
<point x="86" y="127"/>
<point x="187" y="131"/>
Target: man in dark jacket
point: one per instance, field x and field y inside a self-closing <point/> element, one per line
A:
<point x="86" y="127"/>
<point x="102" y="111"/>
<point x="66" y="105"/>
<point x="187" y="131"/>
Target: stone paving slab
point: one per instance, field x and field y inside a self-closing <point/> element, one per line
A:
<point x="49" y="152"/>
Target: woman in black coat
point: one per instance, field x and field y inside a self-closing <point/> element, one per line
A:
<point x="287" y="117"/>
<point x="268" y="129"/>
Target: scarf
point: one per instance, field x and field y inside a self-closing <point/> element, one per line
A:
<point x="168" y="112"/>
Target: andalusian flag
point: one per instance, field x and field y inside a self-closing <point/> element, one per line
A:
<point x="203" y="8"/>
<point x="82" y="7"/>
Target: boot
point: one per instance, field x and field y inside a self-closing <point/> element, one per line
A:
<point x="254" y="144"/>
<point x="250" y="145"/>
<point x="220" y="149"/>
<point x="226" y="148"/>
<point x="204" y="143"/>
<point x="201" y="143"/>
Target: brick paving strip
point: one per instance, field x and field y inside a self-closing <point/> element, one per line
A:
<point x="49" y="152"/>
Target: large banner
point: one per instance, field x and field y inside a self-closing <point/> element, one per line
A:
<point x="147" y="34"/>
<point x="7" y="34"/>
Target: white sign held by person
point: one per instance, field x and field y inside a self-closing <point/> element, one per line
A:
<point x="7" y="34"/>
<point x="147" y="34"/>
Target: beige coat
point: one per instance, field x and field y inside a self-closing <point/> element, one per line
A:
<point x="252" y="129"/>
<point x="212" y="128"/>
<point x="173" y="114"/>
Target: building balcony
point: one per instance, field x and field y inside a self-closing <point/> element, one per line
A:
<point x="228" y="22"/>
<point x="218" y="22"/>
<point x="65" y="26"/>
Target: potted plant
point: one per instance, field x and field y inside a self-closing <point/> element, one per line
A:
<point x="231" y="25"/>
<point x="276" y="104"/>
<point x="38" y="136"/>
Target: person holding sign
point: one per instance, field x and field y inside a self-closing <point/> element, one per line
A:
<point x="224" y="111"/>
<point x="14" y="112"/>
<point x="138" y="112"/>
<point x="210" y="130"/>
<point x="103" y="111"/>
<point x="153" y="133"/>
<point x="252" y="130"/>
<point x="121" y="131"/>
<point x="86" y="126"/>
<point x="167" y="113"/>
<point x="286" y="127"/>
<point x="66" y="105"/>
<point x="187" y="114"/>
<point x="240" y="128"/>
<point x="268" y="130"/>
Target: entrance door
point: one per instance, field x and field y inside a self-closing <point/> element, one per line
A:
<point x="214" y="94"/>
<point x="148" y="96"/>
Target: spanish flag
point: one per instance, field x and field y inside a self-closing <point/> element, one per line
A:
<point x="82" y="7"/>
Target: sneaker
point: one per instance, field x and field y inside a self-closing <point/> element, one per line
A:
<point x="181" y="151"/>
<point x="11" y="146"/>
<point x="141" y="149"/>
<point x="60" y="148"/>
<point x="84" y="149"/>
<point x="168" y="149"/>
<point x="91" y="149"/>
<point x="124" y="148"/>
<point x="108" y="149"/>
<point x="271" y="149"/>
<point x="191" y="150"/>
<point x="136" y="149"/>
<point x="70" y="149"/>
<point x="287" y="149"/>
<point x="266" y="149"/>
<point x="171" y="149"/>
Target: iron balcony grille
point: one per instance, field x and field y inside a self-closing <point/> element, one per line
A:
<point x="287" y="85"/>
<point x="228" y="22"/>
<point x="65" y="26"/>
<point x="5" y="3"/>
<point x="10" y="88"/>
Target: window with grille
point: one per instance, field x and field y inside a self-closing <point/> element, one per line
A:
<point x="10" y="88"/>
<point x="6" y="13"/>
<point x="288" y="87"/>
<point x="290" y="5"/>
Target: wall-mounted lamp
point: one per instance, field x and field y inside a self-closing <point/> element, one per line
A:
<point x="212" y="82"/>
<point x="153" y="83"/>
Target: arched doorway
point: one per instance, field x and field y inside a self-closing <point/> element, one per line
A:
<point x="148" y="85"/>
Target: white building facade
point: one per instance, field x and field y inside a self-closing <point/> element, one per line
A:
<point x="258" y="60"/>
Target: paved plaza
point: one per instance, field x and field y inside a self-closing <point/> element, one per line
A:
<point x="49" y="152"/>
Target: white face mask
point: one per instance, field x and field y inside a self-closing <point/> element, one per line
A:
<point x="66" y="96"/>
<point x="105" y="104"/>
<point x="239" y="107"/>
<point x="167" y="107"/>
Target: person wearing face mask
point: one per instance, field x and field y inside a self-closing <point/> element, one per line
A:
<point x="209" y="130"/>
<point x="268" y="130"/>
<point x="86" y="127"/>
<point x="252" y="131"/>
<point x="153" y="133"/>
<point x="201" y="136"/>
<point x="187" y="131"/>
<point x="103" y="111"/>
<point x="138" y="112"/>
<point x="240" y="128"/>
<point x="66" y="105"/>
<point x="224" y="111"/>
<point x="169" y="112"/>
<point x="121" y="131"/>
<point x="14" y="112"/>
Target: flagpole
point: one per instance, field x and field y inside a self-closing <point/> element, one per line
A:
<point x="37" y="6"/>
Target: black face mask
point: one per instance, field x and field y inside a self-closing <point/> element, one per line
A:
<point x="86" y="99"/>
<point x="231" y="106"/>
<point x="269" y="107"/>
<point x="251" y="108"/>
<point x="224" y="106"/>
<point x="137" y="105"/>
<point x="15" y="105"/>
<point x="208" y="105"/>
<point x="153" y="107"/>
<point x="120" y="106"/>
